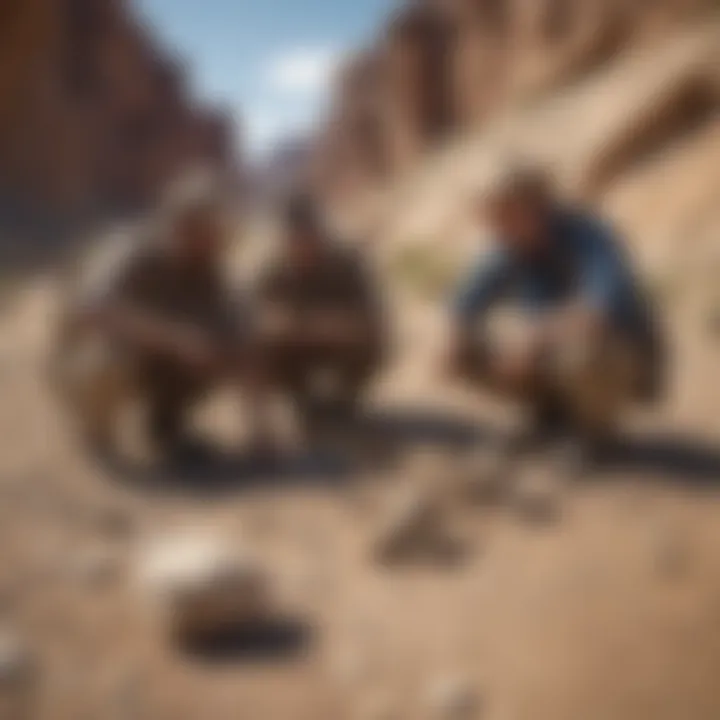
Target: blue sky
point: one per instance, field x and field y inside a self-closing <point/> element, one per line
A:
<point x="269" y="60"/>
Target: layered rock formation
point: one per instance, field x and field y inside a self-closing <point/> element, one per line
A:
<point x="442" y="66"/>
<point x="94" y="116"/>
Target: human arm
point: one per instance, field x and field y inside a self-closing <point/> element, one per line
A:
<point x="116" y="299"/>
<point x="483" y="287"/>
<point x="604" y="281"/>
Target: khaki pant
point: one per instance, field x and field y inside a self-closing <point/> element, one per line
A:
<point x="593" y="379"/>
<point x="312" y="373"/>
<point x="96" y="381"/>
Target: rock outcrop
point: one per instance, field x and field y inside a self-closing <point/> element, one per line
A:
<point x="443" y="66"/>
<point x="94" y="115"/>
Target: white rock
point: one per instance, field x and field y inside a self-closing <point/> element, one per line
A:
<point x="202" y="584"/>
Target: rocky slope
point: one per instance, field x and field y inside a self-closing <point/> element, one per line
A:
<point x="443" y="68"/>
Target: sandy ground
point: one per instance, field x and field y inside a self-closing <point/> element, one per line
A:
<point x="611" y="612"/>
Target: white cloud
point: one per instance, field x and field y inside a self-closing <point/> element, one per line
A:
<point x="295" y="86"/>
<point x="303" y="71"/>
<point x="265" y="128"/>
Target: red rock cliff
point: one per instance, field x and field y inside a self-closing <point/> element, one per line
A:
<point x="94" y="114"/>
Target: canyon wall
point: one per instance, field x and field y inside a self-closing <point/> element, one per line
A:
<point x="440" y="67"/>
<point x="95" y="115"/>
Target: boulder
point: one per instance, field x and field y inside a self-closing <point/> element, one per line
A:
<point x="202" y="585"/>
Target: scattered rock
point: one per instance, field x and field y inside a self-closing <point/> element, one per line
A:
<point x="454" y="699"/>
<point x="537" y="495"/>
<point x="570" y="460"/>
<point x="202" y="585"/>
<point x="415" y="527"/>
<point x="411" y="523"/>
<point x="485" y="475"/>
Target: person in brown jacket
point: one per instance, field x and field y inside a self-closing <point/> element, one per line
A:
<point x="320" y="318"/>
<point x="157" y="321"/>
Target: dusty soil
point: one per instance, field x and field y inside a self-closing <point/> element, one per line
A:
<point x="611" y="612"/>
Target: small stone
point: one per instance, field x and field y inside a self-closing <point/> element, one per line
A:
<point x="203" y="585"/>
<point x="536" y="496"/>
<point x="454" y="699"/>
<point x="485" y="475"/>
<point x="570" y="461"/>
<point x="411" y="522"/>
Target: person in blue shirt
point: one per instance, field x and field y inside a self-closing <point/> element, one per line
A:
<point x="592" y="344"/>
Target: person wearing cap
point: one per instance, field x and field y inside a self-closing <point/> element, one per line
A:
<point x="591" y="344"/>
<point x="156" y="320"/>
<point x="320" y="319"/>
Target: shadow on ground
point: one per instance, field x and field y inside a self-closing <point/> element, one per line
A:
<point x="380" y="440"/>
<point x="375" y="442"/>
<point x="272" y="642"/>
<point x="666" y="458"/>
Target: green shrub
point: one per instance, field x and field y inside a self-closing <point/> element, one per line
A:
<point x="426" y="271"/>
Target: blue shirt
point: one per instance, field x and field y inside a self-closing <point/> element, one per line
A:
<point x="583" y="261"/>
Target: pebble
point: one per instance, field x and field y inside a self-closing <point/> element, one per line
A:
<point x="537" y="495"/>
<point x="410" y="522"/>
